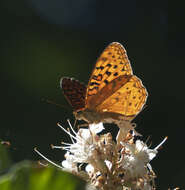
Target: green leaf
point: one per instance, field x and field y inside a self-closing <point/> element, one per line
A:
<point x="4" y="158"/>
<point x="28" y="176"/>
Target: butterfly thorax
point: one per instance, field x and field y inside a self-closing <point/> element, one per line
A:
<point x="92" y="116"/>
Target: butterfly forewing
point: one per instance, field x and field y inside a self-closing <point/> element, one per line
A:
<point x="111" y="64"/>
<point x="74" y="91"/>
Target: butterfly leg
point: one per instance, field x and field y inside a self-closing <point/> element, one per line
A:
<point x="82" y="125"/>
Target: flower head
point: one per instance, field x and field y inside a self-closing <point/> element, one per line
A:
<point x="110" y="165"/>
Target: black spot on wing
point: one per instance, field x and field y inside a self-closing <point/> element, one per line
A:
<point x="101" y="68"/>
<point x="116" y="74"/>
<point x="106" y="81"/>
<point x="108" y="65"/>
<point x="94" y="83"/>
<point x="97" y="77"/>
<point x="108" y="73"/>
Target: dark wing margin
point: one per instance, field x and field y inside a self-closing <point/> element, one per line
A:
<point x="74" y="91"/>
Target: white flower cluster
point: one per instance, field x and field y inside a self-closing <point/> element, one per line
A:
<point x="120" y="165"/>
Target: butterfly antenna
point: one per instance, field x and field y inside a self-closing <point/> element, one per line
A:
<point x="54" y="103"/>
<point x="75" y="122"/>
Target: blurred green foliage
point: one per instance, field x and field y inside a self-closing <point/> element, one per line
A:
<point x="4" y="159"/>
<point x="27" y="175"/>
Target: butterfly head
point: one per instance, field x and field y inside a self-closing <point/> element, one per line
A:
<point x="78" y="115"/>
<point x="90" y="116"/>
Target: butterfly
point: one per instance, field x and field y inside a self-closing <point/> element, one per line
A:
<point x="113" y="93"/>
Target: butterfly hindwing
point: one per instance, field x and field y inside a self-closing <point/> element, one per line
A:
<point x="74" y="91"/>
<point x="128" y="99"/>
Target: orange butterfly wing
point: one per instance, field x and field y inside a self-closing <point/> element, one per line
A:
<point x="112" y="86"/>
<point x="111" y="64"/>
<point x="127" y="100"/>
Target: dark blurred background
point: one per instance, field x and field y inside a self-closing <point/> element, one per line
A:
<point x="41" y="41"/>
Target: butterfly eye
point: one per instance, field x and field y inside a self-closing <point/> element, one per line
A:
<point x="78" y="114"/>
